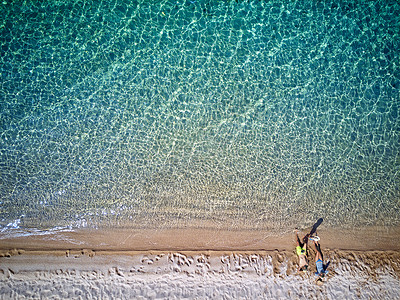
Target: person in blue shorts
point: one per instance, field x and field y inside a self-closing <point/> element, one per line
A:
<point x="319" y="260"/>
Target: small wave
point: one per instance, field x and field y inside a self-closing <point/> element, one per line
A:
<point x="13" y="230"/>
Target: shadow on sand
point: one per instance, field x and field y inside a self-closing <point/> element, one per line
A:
<point x="315" y="226"/>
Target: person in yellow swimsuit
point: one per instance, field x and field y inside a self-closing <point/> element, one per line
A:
<point x="301" y="250"/>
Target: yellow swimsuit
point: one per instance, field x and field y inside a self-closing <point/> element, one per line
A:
<point x="300" y="251"/>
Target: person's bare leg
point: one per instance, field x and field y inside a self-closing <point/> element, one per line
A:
<point x="318" y="254"/>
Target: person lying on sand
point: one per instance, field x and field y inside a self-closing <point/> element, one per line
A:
<point x="301" y="250"/>
<point x="321" y="270"/>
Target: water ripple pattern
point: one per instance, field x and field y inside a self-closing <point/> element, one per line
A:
<point x="258" y="114"/>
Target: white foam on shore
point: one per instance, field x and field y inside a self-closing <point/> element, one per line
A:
<point x="13" y="230"/>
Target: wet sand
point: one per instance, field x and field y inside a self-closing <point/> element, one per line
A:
<point x="369" y="238"/>
<point x="196" y="264"/>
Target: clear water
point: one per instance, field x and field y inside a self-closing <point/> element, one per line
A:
<point x="258" y="114"/>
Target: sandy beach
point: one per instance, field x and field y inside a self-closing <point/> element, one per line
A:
<point x="196" y="264"/>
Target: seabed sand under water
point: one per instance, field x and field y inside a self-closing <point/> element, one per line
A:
<point x="197" y="264"/>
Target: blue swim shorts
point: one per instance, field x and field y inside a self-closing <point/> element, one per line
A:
<point x="320" y="267"/>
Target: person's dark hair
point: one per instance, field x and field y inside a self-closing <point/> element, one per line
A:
<point x="304" y="268"/>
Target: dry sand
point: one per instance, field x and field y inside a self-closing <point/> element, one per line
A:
<point x="195" y="264"/>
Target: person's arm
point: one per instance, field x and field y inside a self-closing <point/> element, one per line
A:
<point x="298" y="239"/>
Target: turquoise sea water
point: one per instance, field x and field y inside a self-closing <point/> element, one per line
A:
<point x="258" y="114"/>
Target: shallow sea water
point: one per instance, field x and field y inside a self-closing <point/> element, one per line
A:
<point x="245" y="114"/>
